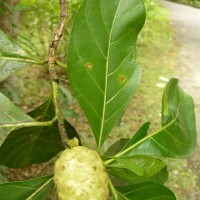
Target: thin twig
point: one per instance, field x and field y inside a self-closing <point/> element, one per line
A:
<point x="52" y="72"/>
<point x="63" y="80"/>
<point x="61" y="64"/>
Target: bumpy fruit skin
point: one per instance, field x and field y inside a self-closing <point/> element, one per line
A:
<point x="80" y="174"/>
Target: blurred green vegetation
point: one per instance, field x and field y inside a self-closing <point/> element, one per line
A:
<point x="157" y="52"/>
<point x="38" y="21"/>
<point x="195" y="3"/>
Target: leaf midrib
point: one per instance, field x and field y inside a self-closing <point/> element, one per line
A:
<point x="106" y="78"/>
<point x="40" y="188"/>
<point x="150" y="136"/>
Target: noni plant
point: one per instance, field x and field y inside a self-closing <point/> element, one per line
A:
<point x="80" y="174"/>
<point x="104" y="75"/>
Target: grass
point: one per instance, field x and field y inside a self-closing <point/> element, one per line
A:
<point x="182" y="179"/>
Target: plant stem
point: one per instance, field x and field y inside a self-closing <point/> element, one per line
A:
<point x="144" y="139"/>
<point x="61" y="64"/>
<point x="112" y="188"/>
<point x="27" y="124"/>
<point x="53" y="75"/>
<point x="109" y="161"/>
<point x="115" y="193"/>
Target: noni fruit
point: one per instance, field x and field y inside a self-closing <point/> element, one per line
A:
<point x="80" y="174"/>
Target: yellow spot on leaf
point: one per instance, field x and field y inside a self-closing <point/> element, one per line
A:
<point x="88" y="65"/>
<point x="122" y="78"/>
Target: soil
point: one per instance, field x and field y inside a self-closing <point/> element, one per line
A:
<point x="186" y="23"/>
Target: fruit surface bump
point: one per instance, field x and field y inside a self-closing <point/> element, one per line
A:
<point x="79" y="174"/>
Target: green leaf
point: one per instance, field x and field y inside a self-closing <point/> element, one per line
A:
<point x="41" y="142"/>
<point x="177" y="137"/>
<point x="116" y="147"/>
<point x="67" y="99"/>
<point x="65" y="95"/>
<point x="140" y="165"/>
<point x="10" y="114"/>
<point x="30" y="145"/>
<point x="139" y="135"/>
<point x="12" y="56"/>
<point x="35" y="189"/>
<point x="102" y="66"/>
<point x="46" y="111"/>
<point x="145" y="191"/>
<point x="128" y="176"/>
<point x="124" y="143"/>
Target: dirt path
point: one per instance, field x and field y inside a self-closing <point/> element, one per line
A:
<point x="186" y="22"/>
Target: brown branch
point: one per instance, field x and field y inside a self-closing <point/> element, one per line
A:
<point x="56" y="39"/>
<point x="52" y="72"/>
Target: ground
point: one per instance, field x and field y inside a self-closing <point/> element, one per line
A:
<point x="186" y="23"/>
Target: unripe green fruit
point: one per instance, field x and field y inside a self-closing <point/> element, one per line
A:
<point x="80" y="174"/>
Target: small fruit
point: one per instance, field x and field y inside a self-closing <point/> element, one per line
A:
<point x="80" y="174"/>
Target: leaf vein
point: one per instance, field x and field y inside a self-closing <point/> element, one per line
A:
<point x="121" y="37"/>
<point x="121" y="64"/>
<point x="102" y="17"/>
<point x="117" y="93"/>
<point x="117" y="110"/>
<point x="88" y="71"/>
<point x="161" y="146"/>
<point x="106" y="79"/>
<point x="96" y="41"/>
<point x="174" y="138"/>
<point x="91" y="106"/>
<point x="132" y="10"/>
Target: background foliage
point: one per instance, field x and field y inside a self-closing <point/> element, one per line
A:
<point x="188" y="2"/>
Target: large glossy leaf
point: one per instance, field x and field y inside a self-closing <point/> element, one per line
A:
<point x="35" y="189"/>
<point x="140" y="165"/>
<point x="130" y="177"/>
<point x="30" y="145"/>
<point x="12" y="56"/>
<point x="146" y="191"/>
<point x="102" y="60"/>
<point x="10" y="114"/>
<point x="177" y="137"/>
<point x="41" y="142"/>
